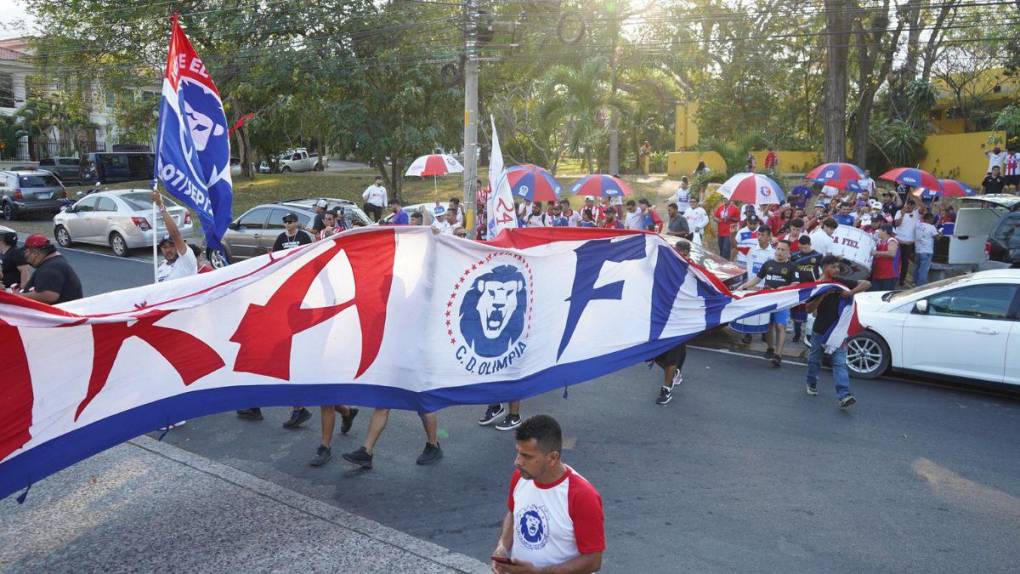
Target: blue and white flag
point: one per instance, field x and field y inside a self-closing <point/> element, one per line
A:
<point x="499" y="208"/>
<point x="193" y="145"/>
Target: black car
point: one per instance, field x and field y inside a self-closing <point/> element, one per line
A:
<point x="1003" y="243"/>
<point x="69" y="170"/>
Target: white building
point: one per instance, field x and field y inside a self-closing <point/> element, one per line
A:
<point x="16" y="66"/>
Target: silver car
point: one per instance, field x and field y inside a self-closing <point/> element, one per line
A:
<point x="30" y="191"/>
<point x="121" y="219"/>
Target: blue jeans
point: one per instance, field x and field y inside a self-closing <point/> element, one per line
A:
<point x="725" y="248"/>
<point x="921" y="270"/>
<point x="840" y="374"/>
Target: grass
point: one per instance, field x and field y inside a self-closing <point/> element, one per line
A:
<point x="268" y="188"/>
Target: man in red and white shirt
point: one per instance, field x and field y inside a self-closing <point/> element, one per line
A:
<point x="554" y="521"/>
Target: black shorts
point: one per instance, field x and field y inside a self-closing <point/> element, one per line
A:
<point x="373" y="211"/>
<point x="673" y="357"/>
<point x="1013" y="180"/>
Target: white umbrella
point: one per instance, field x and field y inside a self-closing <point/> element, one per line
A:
<point x="435" y="165"/>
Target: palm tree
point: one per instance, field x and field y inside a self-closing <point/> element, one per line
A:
<point x="578" y="99"/>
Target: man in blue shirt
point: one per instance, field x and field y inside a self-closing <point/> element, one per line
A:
<point x="844" y="217"/>
<point x="799" y="196"/>
<point x="399" y="215"/>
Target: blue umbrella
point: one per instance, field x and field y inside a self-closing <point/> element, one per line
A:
<point x="532" y="183"/>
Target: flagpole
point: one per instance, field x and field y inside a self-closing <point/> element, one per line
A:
<point x="155" y="240"/>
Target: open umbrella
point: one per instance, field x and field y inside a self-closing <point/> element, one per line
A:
<point x="954" y="188"/>
<point x="532" y="183"/>
<point x="601" y="185"/>
<point x="912" y="177"/>
<point x="835" y="170"/>
<point x="752" y="188"/>
<point x="434" y="165"/>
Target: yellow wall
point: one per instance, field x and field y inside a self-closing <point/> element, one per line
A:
<point x="683" y="162"/>
<point x="960" y="156"/>
<point x="790" y="161"/>
<point x="686" y="133"/>
<point x="950" y="126"/>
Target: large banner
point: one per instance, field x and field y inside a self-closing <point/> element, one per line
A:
<point x="193" y="143"/>
<point x="382" y="317"/>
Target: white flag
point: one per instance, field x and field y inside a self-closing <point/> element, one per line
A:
<point x="500" y="206"/>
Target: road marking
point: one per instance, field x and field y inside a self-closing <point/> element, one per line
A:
<point x="136" y="260"/>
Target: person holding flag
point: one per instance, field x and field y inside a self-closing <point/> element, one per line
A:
<point x="193" y="143"/>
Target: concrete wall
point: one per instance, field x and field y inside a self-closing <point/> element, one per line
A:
<point x="960" y="156"/>
<point x="686" y="133"/>
<point x="683" y="162"/>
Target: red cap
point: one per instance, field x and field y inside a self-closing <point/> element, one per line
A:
<point x="37" y="241"/>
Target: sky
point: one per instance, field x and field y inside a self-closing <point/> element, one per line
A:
<point x="15" y="20"/>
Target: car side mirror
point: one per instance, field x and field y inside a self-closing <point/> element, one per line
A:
<point x="234" y="225"/>
<point x="921" y="307"/>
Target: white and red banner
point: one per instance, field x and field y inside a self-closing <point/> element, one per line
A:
<point x="382" y="317"/>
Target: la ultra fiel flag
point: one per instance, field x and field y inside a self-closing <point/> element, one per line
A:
<point x="379" y="316"/>
<point x="193" y="142"/>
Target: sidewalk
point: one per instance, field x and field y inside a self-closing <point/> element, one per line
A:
<point x="146" y="506"/>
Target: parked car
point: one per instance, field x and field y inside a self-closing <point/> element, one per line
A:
<point x="300" y="160"/>
<point x="980" y="235"/>
<point x="121" y="219"/>
<point x="67" y="169"/>
<point x="255" y="231"/>
<point x="1007" y="229"/>
<point x="113" y="167"/>
<point x="30" y="191"/>
<point x="967" y="326"/>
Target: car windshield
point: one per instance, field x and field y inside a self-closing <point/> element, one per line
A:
<point x="40" y="180"/>
<point x="142" y="200"/>
<point x="927" y="288"/>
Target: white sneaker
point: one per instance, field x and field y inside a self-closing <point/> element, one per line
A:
<point x="678" y="378"/>
<point x="173" y="426"/>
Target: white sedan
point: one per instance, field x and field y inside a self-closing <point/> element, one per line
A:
<point x="966" y="326"/>
<point x="119" y="218"/>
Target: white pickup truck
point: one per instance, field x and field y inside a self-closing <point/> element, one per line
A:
<point x="299" y="160"/>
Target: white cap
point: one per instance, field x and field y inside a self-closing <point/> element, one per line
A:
<point x="322" y="203"/>
<point x="589" y="198"/>
<point x="875" y="204"/>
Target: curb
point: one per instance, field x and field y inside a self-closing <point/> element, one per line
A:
<point x="318" y="509"/>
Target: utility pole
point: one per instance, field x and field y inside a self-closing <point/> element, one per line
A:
<point x="470" y="111"/>
<point x="614" y="116"/>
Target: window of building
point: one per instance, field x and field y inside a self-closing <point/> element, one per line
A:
<point x="6" y="90"/>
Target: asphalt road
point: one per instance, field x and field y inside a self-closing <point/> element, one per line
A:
<point x="742" y="472"/>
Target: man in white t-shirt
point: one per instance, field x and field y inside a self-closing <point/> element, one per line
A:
<point x="554" y="519"/>
<point x="375" y="199"/>
<point x="633" y="218"/>
<point x="447" y="224"/>
<point x="178" y="259"/>
<point x="697" y="220"/>
<point x="821" y="238"/>
<point x="683" y="196"/>
<point x="924" y="246"/>
<point x="906" y="221"/>
<point x="996" y="157"/>
<point x="867" y="184"/>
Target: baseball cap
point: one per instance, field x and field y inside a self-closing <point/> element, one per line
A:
<point x="589" y="198"/>
<point x="322" y="203"/>
<point x="37" y="241"/>
<point x="876" y="204"/>
<point x="290" y="217"/>
<point x="165" y="239"/>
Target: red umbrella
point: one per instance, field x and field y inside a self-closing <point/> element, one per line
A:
<point x="600" y="185"/>
<point x="434" y="165"/>
<point x="913" y="177"/>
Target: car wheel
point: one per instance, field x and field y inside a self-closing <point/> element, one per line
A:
<point x="867" y="355"/>
<point x="63" y="237"/>
<point x="216" y="258"/>
<point x="319" y="167"/>
<point x="286" y="169"/>
<point x="8" y="211"/>
<point x="119" y="246"/>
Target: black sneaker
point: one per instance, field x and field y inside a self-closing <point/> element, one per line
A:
<point x="297" y="418"/>
<point x="347" y="421"/>
<point x="777" y="361"/>
<point x="359" y="457"/>
<point x="509" y="423"/>
<point x="665" y="395"/>
<point x="322" y="456"/>
<point x="847" y="401"/>
<point x="769" y="353"/>
<point x="811" y="389"/>
<point x="250" y="414"/>
<point x="796" y="338"/>
<point x="492" y="414"/>
<point x="431" y="454"/>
